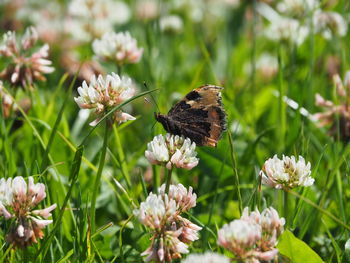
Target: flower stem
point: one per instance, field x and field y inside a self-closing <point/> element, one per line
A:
<point x="121" y="157"/>
<point x="286" y="207"/>
<point x="168" y="180"/>
<point x="98" y="179"/>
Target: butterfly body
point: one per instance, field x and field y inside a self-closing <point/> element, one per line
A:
<point x="199" y="116"/>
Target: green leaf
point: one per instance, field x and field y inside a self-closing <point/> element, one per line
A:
<point x="296" y="249"/>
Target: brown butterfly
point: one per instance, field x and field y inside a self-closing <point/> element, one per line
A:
<point x="199" y="116"/>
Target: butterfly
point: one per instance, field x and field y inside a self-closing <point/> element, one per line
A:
<point x="199" y="116"/>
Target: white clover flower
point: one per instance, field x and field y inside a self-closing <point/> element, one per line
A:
<point x="146" y="9"/>
<point x="185" y="199"/>
<point x="193" y="8"/>
<point x="189" y="231"/>
<point x="104" y="93"/>
<point x="25" y="65"/>
<point x="171" y="233"/>
<point x="239" y="234"/>
<point x="165" y="247"/>
<point x="330" y="24"/>
<point x="171" y="24"/>
<point x="118" y="47"/>
<point x="297" y="7"/>
<point x="207" y="257"/>
<point x="286" y="173"/>
<point x="17" y="200"/>
<point x="91" y="19"/>
<point x="266" y="65"/>
<point x="335" y="114"/>
<point x="156" y="211"/>
<point x="171" y="151"/>
<point x="287" y="30"/>
<point x="272" y="227"/>
<point x="254" y="236"/>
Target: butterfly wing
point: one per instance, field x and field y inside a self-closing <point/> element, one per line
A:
<point x="200" y="115"/>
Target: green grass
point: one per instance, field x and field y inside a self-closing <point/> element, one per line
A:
<point x="56" y="146"/>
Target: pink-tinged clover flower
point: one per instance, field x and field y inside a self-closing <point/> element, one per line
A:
<point x="207" y="257"/>
<point x="24" y="65"/>
<point x="18" y="201"/>
<point x="146" y="9"/>
<point x="185" y="199"/>
<point x="171" y="233"/>
<point x="286" y="173"/>
<point x="117" y="47"/>
<point x="336" y="116"/>
<point x="156" y="211"/>
<point x="102" y="94"/>
<point x="6" y="101"/>
<point x="172" y="151"/>
<point x="253" y="237"/>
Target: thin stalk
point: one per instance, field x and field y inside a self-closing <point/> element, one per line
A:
<point x="285" y="199"/>
<point x="281" y="105"/>
<point x="168" y="180"/>
<point x="121" y="252"/>
<point x="155" y="178"/>
<point x="121" y="157"/>
<point x="98" y="179"/>
<point x="8" y="250"/>
<point x="236" y="178"/>
<point x="320" y="209"/>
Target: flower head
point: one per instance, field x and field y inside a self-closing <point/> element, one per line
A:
<point x="337" y="116"/>
<point x="330" y="24"/>
<point x="266" y="65"/>
<point x="254" y="236"/>
<point x="24" y="65"/>
<point x="171" y="24"/>
<point x="170" y="231"/>
<point x="185" y="199"/>
<point x="287" y="30"/>
<point x="17" y="201"/>
<point x="118" y="47"/>
<point x="91" y="19"/>
<point x="104" y="93"/>
<point x="172" y="150"/>
<point x="156" y="211"/>
<point x="165" y="247"/>
<point x="297" y="8"/>
<point x="286" y="173"/>
<point x="207" y="257"/>
<point x="239" y="235"/>
<point x="146" y="9"/>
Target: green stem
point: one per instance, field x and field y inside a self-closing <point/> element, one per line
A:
<point x="168" y="180"/>
<point x="281" y="105"/>
<point x="286" y="208"/>
<point x="98" y="179"/>
<point x="155" y="170"/>
<point x="236" y="178"/>
<point x="121" y="157"/>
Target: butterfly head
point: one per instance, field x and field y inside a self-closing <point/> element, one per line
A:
<point x="163" y="119"/>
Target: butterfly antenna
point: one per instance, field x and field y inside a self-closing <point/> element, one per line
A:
<point x="154" y="101"/>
